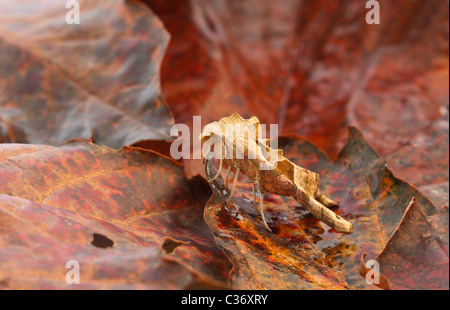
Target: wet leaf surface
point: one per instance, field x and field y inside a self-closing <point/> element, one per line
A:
<point x="101" y="79"/>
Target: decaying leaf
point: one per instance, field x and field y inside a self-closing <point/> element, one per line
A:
<point x="132" y="220"/>
<point x="135" y="191"/>
<point x="423" y="161"/>
<point x="240" y="147"/>
<point x="283" y="258"/>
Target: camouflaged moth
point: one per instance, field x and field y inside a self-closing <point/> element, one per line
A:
<point x="236" y="143"/>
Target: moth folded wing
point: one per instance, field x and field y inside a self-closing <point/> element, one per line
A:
<point x="303" y="185"/>
<point x="306" y="180"/>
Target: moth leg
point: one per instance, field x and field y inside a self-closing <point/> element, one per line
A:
<point x="261" y="203"/>
<point x="261" y="206"/>
<point x="218" y="171"/>
<point x="254" y="195"/>
<point x="228" y="176"/>
<point x="205" y="157"/>
<point x="234" y="184"/>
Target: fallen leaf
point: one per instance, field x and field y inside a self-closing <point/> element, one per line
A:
<point x="39" y="245"/>
<point x="424" y="161"/>
<point x="285" y="258"/>
<point x="137" y="191"/>
<point x="60" y="81"/>
<point x="416" y="255"/>
<point x="131" y="217"/>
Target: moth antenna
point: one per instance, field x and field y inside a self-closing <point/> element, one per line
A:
<point x="218" y="171"/>
<point x="228" y="176"/>
<point x="261" y="208"/>
<point x="234" y="184"/>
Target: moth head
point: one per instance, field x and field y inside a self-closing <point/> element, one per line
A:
<point x="213" y="140"/>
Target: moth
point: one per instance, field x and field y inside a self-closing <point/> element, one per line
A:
<point x="236" y="143"/>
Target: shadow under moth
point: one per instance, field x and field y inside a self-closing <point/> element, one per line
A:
<point x="236" y="143"/>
